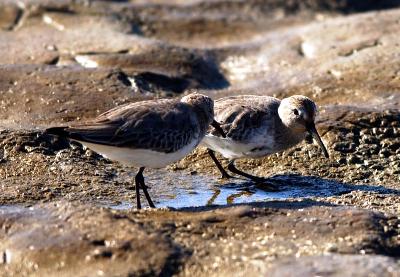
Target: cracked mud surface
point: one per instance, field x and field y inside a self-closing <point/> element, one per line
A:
<point x="68" y="211"/>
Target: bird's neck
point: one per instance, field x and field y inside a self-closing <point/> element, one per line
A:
<point x="288" y="136"/>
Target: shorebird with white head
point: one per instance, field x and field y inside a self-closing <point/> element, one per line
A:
<point x="153" y="133"/>
<point x="258" y="126"/>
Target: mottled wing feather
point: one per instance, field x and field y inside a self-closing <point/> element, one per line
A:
<point x="241" y="116"/>
<point x="163" y="126"/>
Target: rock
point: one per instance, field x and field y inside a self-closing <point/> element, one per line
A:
<point x="307" y="49"/>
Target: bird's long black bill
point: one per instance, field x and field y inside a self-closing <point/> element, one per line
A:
<point x="217" y="127"/>
<point x="313" y="131"/>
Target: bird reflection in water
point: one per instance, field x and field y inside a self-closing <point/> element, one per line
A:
<point x="247" y="192"/>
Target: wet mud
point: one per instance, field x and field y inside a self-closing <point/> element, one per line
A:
<point x="66" y="210"/>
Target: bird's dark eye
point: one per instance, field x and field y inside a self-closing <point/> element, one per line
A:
<point x="296" y="111"/>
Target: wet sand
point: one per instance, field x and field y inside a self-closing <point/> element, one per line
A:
<point x="67" y="211"/>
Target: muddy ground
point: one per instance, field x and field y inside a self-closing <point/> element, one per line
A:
<point x="67" y="211"/>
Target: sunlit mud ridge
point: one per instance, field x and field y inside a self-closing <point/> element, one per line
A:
<point x="67" y="210"/>
<point x="85" y="240"/>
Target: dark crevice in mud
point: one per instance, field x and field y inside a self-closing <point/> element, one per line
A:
<point x="343" y="6"/>
<point x="53" y="61"/>
<point x="384" y="242"/>
<point x="389" y="248"/>
<point x="175" y="261"/>
<point x="208" y="74"/>
<point x="349" y="6"/>
<point x="98" y="242"/>
<point x="19" y="20"/>
<point x="149" y="81"/>
<point x="63" y="10"/>
<point x="135" y="29"/>
<point x="124" y="79"/>
<point x="122" y="51"/>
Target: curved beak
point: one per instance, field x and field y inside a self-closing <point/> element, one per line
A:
<point x="313" y="131"/>
<point x="217" y="127"/>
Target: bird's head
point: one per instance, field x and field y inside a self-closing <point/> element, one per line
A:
<point x="298" y="113"/>
<point x="204" y="106"/>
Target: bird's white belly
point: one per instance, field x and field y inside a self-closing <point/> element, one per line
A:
<point x="231" y="149"/>
<point x="140" y="157"/>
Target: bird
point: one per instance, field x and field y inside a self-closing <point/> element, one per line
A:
<point x="256" y="126"/>
<point x="151" y="133"/>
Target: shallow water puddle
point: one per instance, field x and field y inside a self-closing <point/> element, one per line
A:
<point x="178" y="189"/>
<point x="206" y="192"/>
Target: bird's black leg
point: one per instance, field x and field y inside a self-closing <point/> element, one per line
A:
<point x="224" y="174"/>
<point x="144" y="188"/>
<point x="232" y="168"/>
<point x="138" y="178"/>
